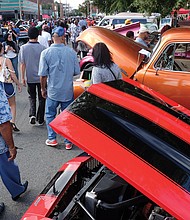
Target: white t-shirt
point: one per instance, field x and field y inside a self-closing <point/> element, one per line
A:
<point x="47" y="36"/>
<point x="10" y="54"/>
<point x="43" y="41"/>
<point x="103" y="74"/>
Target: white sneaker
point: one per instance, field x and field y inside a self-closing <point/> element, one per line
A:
<point x="33" y="120"/>
<point x="41" y="124"/>
<point x="68" y="146"/>
<point x="51" y="143"/>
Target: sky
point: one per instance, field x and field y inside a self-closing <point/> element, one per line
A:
<point x="73" y="3"/>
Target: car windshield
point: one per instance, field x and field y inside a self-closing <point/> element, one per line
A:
<point x="165" y="21"/>
<point x="118" y="21"/>
<point x="122" y="21"/>
<point x="142" y="21"/>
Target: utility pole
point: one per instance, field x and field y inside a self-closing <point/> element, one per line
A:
<point x="20" y="9"/>
<point x="38" y="4"/>
<point x="61" y="9"/>
<point x="66" y="9"/>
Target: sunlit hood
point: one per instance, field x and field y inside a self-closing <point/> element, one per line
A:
<point x="137" y="133"/>
<point x="125" y="51"/>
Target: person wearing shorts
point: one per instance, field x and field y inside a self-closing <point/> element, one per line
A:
<point x="10" y="93"/>
<point x="9" y="90"/>
<point x="8" y="87"/>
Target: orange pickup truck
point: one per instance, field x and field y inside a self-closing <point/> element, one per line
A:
<point x="166" y="69"/>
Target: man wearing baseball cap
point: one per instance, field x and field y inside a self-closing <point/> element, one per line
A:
<point x="58" y="65"/>
<point x="143" y="36"/>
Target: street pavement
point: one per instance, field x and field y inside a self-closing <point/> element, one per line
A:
<point x="37" y="162"/>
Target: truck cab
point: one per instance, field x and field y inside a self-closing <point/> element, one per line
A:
<point x="167" y="70"/>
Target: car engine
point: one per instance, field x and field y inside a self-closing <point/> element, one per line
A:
<point x="98" y="193"/>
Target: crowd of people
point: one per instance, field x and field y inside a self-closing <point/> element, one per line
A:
<point x="17" y="56"/>
<point x="45" y="65"/>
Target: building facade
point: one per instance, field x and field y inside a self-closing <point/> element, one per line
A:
<point x="18" y="9"/>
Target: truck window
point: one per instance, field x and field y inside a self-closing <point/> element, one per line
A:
<point x="166" y="59"/>
<point x="182" y="56"/>
<point x="141" y="20"/>
<point x="118" y="21"/>
<point x="175" y="57"/>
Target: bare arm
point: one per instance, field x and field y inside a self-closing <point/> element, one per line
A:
<point x="6" y="132"/>
<point x="43" y="82"/>
<point x="12" y="72"/>
<point x="15" y="34"/>
<point x="23" y="69"/>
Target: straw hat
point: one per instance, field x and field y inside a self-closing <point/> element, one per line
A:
<point x="128" y="21"/>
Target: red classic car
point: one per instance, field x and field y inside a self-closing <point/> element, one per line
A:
<point x="166" y="70"/>
<point x="137" y="162"/>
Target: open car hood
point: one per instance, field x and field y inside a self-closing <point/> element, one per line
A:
<point x="140" y="135"/>
<point x="125" y="52"/>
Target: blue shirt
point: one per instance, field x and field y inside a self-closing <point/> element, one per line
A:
<point x="141" y="41"/>
<point x="59" y="63"/>
<point x="83" y="23"/>
<point x="17" y="30"/>
<point x="5" y="115"/>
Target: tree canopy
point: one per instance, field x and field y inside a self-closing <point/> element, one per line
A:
<point x="164" y="7"/>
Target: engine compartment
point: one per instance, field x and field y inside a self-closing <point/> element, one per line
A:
<point x="99" y="193"/>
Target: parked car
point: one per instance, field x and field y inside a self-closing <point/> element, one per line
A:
<point x="23" y="36"/>
<point x="111" y="21"/>
<point x="136" y="164"/>
<point x="166" y="21"/>
<point x="166" y="69"/>
<point x="3" y="32"/>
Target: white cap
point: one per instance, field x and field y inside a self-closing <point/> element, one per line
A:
<point x="143" y="30"/>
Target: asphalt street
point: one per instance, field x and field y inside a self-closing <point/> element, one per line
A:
<point x="37" y="162"/>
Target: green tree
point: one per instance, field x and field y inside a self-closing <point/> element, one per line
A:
<point x="104" y="5"/>
<point x="84" y="7"/>
<point x="114" y="6"/>
<point x="164" y="7"/>
<point x="46" y="6"/>
<point x="122" y="6"/>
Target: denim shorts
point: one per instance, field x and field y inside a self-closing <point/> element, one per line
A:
<point x="9" y="90"/>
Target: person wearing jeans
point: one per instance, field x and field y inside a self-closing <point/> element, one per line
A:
<point x="9" y="170"/>
<point x="51" y="110"/>
<point x="58" y="65"/>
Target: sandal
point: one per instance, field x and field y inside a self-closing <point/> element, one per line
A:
<point x="14" y="127"/>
